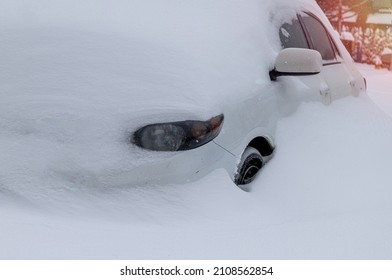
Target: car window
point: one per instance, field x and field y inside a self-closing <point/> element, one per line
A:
<point x="292" y="35"/>
<point x="319" y="38"/>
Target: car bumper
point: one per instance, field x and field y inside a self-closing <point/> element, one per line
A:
<point x="178" y="168"/>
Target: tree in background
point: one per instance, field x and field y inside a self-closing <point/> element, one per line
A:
<point x="371" y="45"/>
<point x="331" y="6"/>
<point x="338" y="10"/>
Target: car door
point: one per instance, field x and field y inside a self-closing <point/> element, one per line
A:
<point x="338" y="80"/>
<point x="305" y="30"/>
<point x="296" y="89"/>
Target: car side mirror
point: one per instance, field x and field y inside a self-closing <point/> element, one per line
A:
<point x="297" y="62"/>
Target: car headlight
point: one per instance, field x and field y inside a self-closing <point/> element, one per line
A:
<point x="178" y="136"/>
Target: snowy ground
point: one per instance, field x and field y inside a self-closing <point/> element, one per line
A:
<point x="325" y="195"/>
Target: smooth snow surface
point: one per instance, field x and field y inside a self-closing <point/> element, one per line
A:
<point x="64" y="117"/>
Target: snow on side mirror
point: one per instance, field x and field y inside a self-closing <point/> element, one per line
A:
<point x="297" y="62"/>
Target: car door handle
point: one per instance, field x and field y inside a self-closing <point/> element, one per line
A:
<point x="353" y="83"/>
<point x="325" y="91"/>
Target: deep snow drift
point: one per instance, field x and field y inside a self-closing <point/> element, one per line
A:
<point x="325" y="194"/>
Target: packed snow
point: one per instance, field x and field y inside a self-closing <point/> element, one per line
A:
<point x="325" y="195"/>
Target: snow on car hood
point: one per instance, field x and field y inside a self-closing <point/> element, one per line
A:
<point x="77" y="78"/>
<point x="70" y="102"/>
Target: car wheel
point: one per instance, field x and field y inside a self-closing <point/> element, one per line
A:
<point x="251" y="163"/>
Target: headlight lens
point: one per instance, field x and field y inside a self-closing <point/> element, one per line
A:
<point x="178" y="136"/>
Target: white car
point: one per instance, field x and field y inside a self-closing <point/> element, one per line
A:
<point x="311" y="64"/>
<point x="135" y="93"/>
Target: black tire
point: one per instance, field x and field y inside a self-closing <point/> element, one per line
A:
<point x="248" y="168"/>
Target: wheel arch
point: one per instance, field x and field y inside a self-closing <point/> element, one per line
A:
<point x="263" y="145"/>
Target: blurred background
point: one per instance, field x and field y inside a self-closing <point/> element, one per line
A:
<point x="365" y="27"/>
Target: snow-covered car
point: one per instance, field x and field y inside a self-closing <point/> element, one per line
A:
<point x="310" y="64"/>
<point x="139" y="95"/>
